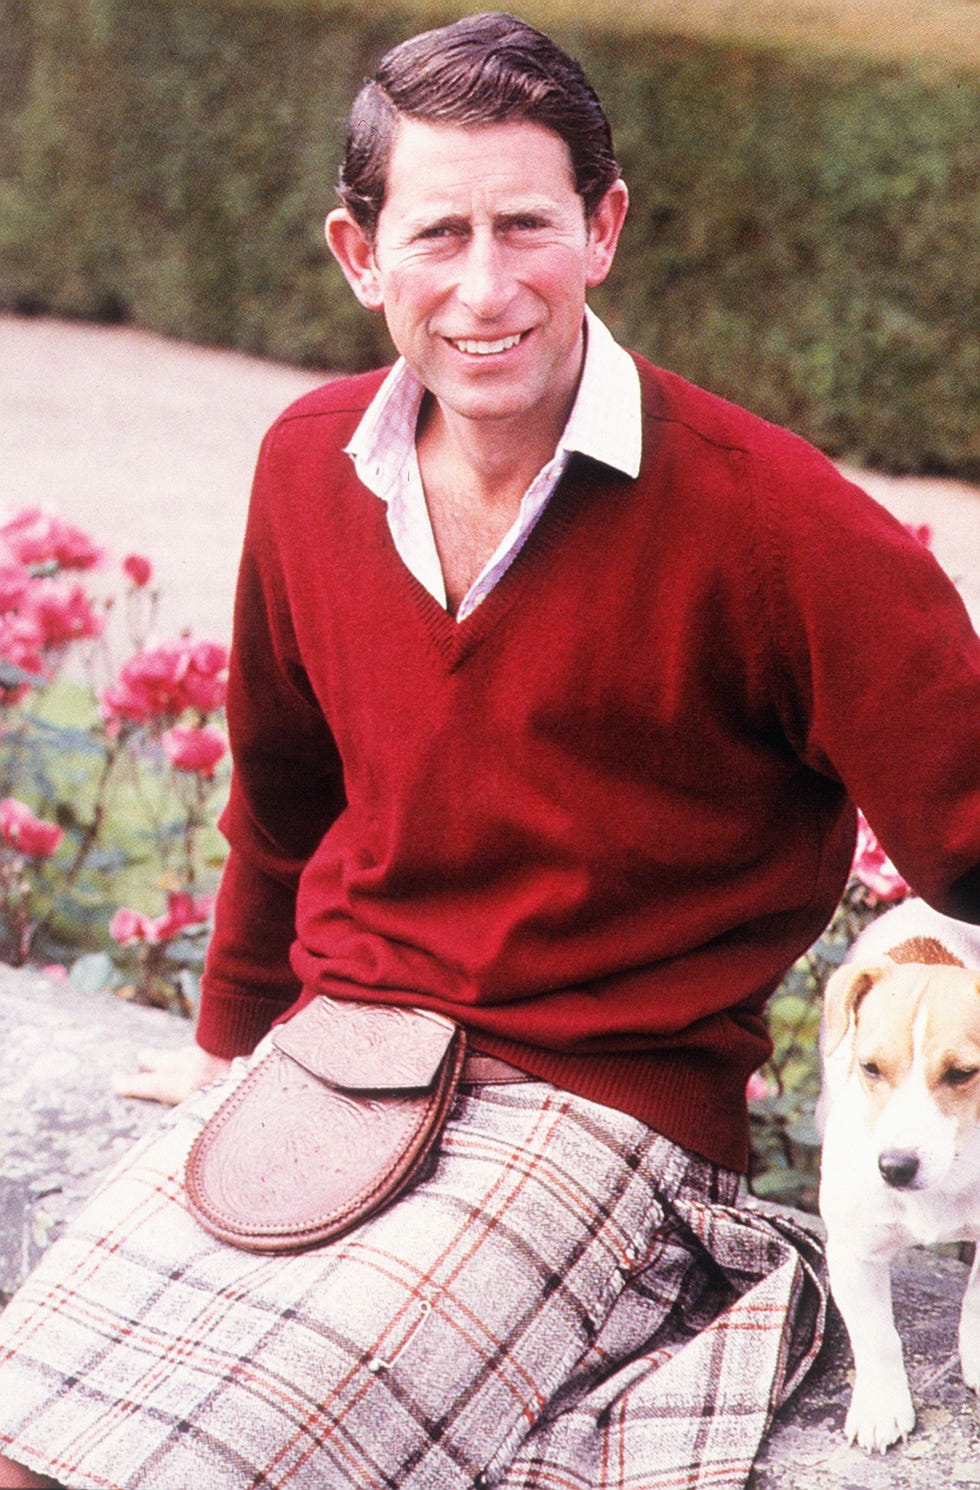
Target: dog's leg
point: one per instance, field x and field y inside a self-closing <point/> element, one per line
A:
<point x="970" y="1327"/>
<point x="881" y="1408"/>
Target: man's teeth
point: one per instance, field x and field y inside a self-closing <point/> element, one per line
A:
<point x="487" y="348"/>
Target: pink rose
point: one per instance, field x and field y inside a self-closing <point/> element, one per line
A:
<point x="757" y="1088"/>
<point x="206" y="677"/>
<point x="921" y="532"/>
<point x="22" y="642"/>
<point x="34" y="537"/>
<point x="130" y="926"/>
<point x="29" y="835"/>
<point x="14" y="583"/>
<point x="122" y="701"/>
<point x="62" y="612"/>
<point x="167" y="679"/>
<point x="183" y="909"/>
<point x="195" y="748"/>
<point x="148" y="685"/>
<point x="873" y="867"/>
<point x="138" y="570"/>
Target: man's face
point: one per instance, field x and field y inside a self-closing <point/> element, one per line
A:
<point x="480" y="262"/>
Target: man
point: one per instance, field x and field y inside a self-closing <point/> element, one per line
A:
<point x="554" y="680"/>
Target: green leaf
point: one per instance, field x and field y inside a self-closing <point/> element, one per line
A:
<point x="803" y="1133"/>
<point x="787" y="1185"/>
<point x="92" y="973"/>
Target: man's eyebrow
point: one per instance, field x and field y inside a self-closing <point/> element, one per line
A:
<point x="532" y="207"/>
<point x="439" y="220"/>
<point x="427" y="222"/>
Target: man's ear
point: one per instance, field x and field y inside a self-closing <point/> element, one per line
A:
<point x="354" y="254"/>
<point x="605" y="226"/>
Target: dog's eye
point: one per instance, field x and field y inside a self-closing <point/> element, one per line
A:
<point x="871" y="1070"/>
<point x="959" y="1075"/>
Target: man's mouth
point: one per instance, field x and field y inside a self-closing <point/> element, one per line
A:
<point x="474" y="348"/>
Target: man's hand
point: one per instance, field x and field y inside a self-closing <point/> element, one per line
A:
<point x="170" y="1075"/>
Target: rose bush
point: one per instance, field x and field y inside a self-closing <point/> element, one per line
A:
<point x="109" y="784"/>
<point x="158" y="951"/>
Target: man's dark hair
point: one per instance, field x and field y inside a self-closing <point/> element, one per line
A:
<point x="484" y="69"/>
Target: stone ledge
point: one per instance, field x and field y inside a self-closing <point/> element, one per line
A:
<point x="807" y="1450"/>
<point x="61" y="1126"/>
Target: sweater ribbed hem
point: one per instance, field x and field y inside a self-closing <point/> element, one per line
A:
<point x="698" y="1104"/>
<point x="695" y="1098"/>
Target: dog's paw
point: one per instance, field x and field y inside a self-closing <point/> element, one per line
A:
<point x="876" y="1419"/>
<point x="970" y="1361"/>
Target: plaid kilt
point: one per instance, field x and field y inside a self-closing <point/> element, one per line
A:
<point x="566" y="1301"/>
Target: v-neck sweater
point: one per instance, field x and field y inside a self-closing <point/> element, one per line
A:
<point x="597" y="820"/>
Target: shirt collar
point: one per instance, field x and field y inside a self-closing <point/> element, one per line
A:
<point x="605" y="423"/>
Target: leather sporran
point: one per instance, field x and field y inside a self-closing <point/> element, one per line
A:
<point x="331" y="1124"/>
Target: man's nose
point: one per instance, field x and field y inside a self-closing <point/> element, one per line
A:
<point x="486" y="283"/>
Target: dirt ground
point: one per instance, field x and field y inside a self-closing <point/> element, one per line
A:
<point x="149" y="446"/>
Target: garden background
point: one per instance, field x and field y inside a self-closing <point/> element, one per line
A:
<point x="803" y="241"/>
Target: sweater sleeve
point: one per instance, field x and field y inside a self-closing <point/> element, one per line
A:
<point x="287" y="788"/>
<point x="881" y="673"/>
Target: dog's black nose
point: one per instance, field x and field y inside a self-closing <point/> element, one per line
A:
<point x="898" y="1167"/>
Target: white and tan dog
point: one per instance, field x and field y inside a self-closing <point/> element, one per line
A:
<point x="901" y="1148"/>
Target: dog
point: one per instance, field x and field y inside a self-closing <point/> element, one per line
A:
<point x="900" y="1109"/>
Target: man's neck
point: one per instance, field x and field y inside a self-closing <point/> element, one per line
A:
<point x="489" y="462"/>
<point x="474" y="477"/>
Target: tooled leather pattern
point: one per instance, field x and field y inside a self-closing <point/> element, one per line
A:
<point x="367" y="1047"/>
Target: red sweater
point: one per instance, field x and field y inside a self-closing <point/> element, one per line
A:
<point x="596" y="821"/>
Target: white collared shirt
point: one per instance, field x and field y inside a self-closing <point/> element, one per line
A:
<point x="604" y="424"/>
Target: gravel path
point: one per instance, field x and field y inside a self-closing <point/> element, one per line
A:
<point x="149" y="446"/>
<point x="146" y="444"/>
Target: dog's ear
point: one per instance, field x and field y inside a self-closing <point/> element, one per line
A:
<point x="843" y="994"/>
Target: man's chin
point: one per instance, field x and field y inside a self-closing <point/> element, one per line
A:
<point x="495" y="397"/>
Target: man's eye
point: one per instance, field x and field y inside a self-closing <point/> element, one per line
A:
<point x="438" y="231"/>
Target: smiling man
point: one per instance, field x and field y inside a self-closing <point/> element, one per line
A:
<point x="554" y="683"/>
<point x="480" y="258"/>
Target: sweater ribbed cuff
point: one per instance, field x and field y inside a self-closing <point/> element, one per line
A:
<point x="231" y="1021"/>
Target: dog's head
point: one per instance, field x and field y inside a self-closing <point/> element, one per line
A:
<point x="910" y="1036"/>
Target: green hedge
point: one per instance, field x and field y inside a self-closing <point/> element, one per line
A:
<point x="802" y="236"/>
